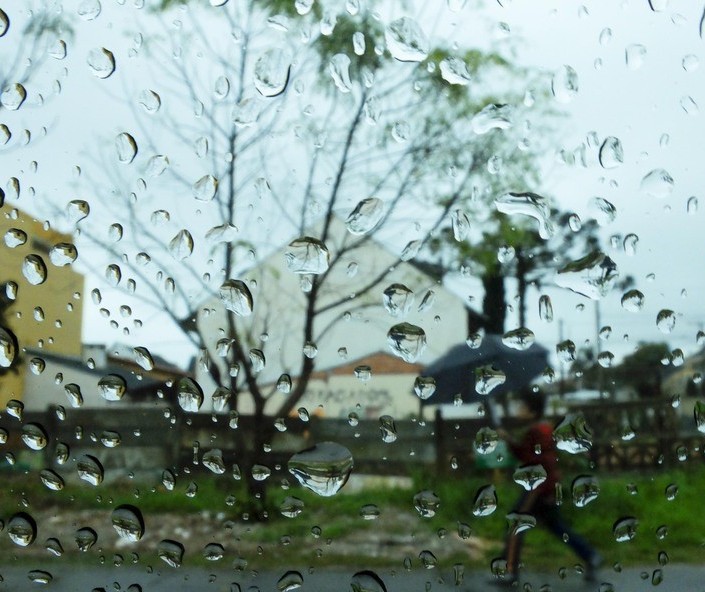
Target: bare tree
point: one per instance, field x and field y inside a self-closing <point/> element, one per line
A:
<point x="265" y="124"/>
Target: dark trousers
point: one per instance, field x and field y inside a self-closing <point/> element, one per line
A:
<point x="543" y="507"/>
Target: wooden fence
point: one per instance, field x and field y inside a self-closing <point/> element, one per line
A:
<point x="626" y="436"/>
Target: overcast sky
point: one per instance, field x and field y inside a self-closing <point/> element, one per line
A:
<point x="639" y="104"/>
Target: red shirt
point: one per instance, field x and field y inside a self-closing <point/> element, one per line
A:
<point x="538" y="447"/>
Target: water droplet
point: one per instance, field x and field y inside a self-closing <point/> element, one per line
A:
<point x="213" y="552"/>
<point x="564" y="85"/>
<point x="272" y="72"/>
<point x="486" y="440"/>
<point x="291" y="507"/>
<point x="363" y="372"/>
<point x="213" y="460"/>
<point x="528" y="204"/>
<point x="485" y="501"/>
<point x="151" y="101"/>
<point x="257" y="360"/>
<point x="8" y="348"/>
<point x="545" y="309"/>
<point x="51" y="479"/>
<point x="359" y="44"/>
<point x="407" y="341"/>
<point x="323" y="468"/>
<point x="4" y="22"/>
<point x="633" y="301"/>
<point x="156" y="165"/>
<point x="488" y="378"/>
<point x="624" y="529"/>
<point x="671" y="492"/>
<point x="236" y="297"/>
<point x="492" y="116"/>
<point x="58" y="51"/>
<point x="112" y="387"/>
<point x="366" y="215"/>
<point x="291" y="580"/>
<point x="110" y="439"/>
<point x="15" y="408"/>
<point x="77" y="210"/>
<point x="181" y="246"/>
<point x="611" y="153"/>
<point x="284" y="384"/>
<point x="339" y="68"/>
<point x="520" y="339"/>
<point x="530" y="476"/>
<point x="406" y="41"/>
<point x="128" y="523"/>
<point x="573" y="434"/>
<point x="34" y="436"/>
<point x="261" y="472"/>
<point x="603" y="211"/>
<point x="370" y="512"/>
<point x="220" y="398"/>
<point x="36" y="365"/>
<point x="34" y="269"/>
<point x="689" y="105"/>
<point x="665" y="320"/>
<point x="426" y="503"/>
<point x="13" y="96"/>
<point x="171" y="552"/>
<point x="90" y="469"/>
<point x="126" y="147"/>
<point x="455" y="71"/>
<point x="5" y="135"/>
<point x="591" y="276"/>
<point x="424" y="387"/>
<point x="585" y="489"/>
<point x="388" y="429"/>
<point x="101" y="62"/>
<point x="657" y="183"/>
<point x="460" y="224"/>
<point x="54" y="547"/>
<point x="85" y="538"/>
<point x="143" y="357"/>
<point x="398" y="300"/>
<point x="22" y="529"/>
<point x="307" y="255"/>
<point x="89" y="10"/>
<point x="205" y="188"/>
<point x="518" y="522"/>
<point x="634" y="56"/>
<point x="690" y="63"/>
<point x="367" y="581"/>
<point x="168" y="480"/>
<point x="190" y="395"/>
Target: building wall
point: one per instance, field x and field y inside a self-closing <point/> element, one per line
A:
<point x="59" y="297"/>
<point x="359" y="327"/>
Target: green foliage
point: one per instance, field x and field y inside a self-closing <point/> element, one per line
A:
<point x="341" y="42"/>
<point x="643" y="370"/>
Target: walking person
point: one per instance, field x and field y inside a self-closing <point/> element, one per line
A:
<point x="537" y="447"/>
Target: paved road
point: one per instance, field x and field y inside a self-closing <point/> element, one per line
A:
<point x="676" y="578"/>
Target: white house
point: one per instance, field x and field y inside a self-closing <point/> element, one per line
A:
<point x="351" y="327"/>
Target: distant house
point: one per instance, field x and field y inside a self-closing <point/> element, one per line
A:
<point x="46" y="314"/>
<point x="349" y="335"/>
<point x="62" y="378"/>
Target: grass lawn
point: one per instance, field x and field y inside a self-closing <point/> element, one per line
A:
<point x="331" y="531"/>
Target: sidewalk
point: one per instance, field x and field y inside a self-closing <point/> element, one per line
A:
<point x="165" y="579"/>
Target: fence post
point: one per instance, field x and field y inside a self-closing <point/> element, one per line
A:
<point x="440" y="442"/>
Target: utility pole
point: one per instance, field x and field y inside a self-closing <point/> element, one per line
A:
<point x="561" y="370"/>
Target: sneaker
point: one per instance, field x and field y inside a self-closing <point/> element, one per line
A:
<point x="593" y="565"/>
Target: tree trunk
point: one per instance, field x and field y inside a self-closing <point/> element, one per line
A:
<point x="521" y="271"/>
<point x="494" y="306"/>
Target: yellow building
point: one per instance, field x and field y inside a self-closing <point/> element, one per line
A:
<point x="40" y="294"/>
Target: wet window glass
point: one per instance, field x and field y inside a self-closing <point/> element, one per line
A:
<point x="360" y="294"/>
